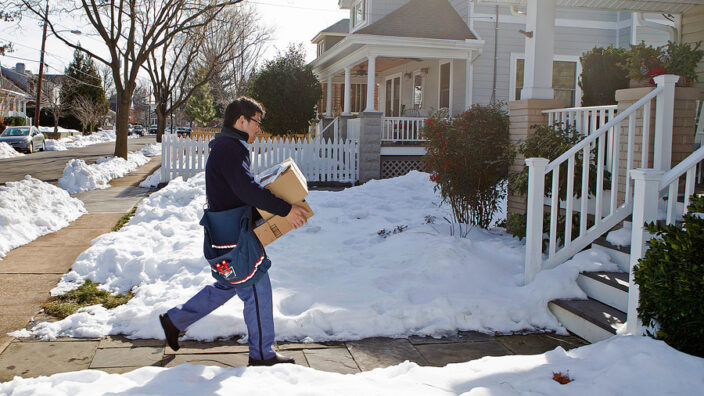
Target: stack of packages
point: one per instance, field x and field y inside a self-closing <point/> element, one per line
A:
<point x="287" y="182"/>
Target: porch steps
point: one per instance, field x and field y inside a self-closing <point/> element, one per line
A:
<point x="604" y="311"/>
<point x="589" y="319"/>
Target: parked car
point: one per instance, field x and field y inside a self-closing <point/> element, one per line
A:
<point x="138" y="130"/>
<point x="183" y="131"/>
<point x="24" y="138"/>
<point x="152" y="129"/>
<point x="130" y="129"/>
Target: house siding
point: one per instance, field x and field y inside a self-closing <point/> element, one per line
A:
<point x="692" y="32"/>
<point x="568" y="42"/>
<point x="381" y="8"/>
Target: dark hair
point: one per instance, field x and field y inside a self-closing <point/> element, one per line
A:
<point x="242" y="106"/>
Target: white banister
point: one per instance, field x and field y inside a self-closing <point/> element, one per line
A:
<point x="402" y="129"/>
<point x="534" y="217"/>
<point x="645" y="208"/>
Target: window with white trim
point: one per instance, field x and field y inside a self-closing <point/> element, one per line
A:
<point x="359" y="13"/>
<point x="564" y="80"/>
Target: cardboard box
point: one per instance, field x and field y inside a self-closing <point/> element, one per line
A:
<point x="269" y="230"/>
<point x="284" y="180"/>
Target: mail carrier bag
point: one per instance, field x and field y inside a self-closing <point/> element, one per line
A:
<point x="234" y="253"/>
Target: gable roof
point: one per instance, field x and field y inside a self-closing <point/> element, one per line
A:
<point x="435" y="19"/>
<point x="7" y="84"/>
<point x="341" y="26"/>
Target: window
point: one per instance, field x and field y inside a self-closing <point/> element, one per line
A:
<point x="359" y="13"/>
<point x="444" y="86"/>
<point x="358" y="97"/>
<point x="393" y="97"/>
<point x="564" y="81"/>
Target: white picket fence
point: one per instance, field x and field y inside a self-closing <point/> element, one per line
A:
<point x="319" y="160"/>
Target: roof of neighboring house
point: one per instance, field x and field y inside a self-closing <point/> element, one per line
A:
<point x="341" y="26"/>
<point x="18" y="79"/>
<point x="6" y="84"/>
<point x="435" y="19"/>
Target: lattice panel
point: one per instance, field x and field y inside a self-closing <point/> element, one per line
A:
<point x="394" y="168"/>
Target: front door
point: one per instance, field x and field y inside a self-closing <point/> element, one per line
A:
<point x="392" y="106"/>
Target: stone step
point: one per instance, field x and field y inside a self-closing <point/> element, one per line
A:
<point x="610" y="288"/>
<point x="589" y="319"/>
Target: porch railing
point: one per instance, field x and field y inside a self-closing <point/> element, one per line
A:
<point x="650" y="186"/>
<point x="402" y="129"/>
<point x="586" y="120"/>
<point x="593" y="149"/>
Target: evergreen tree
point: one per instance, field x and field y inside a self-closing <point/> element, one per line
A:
<point x="85" y="82"/>
<point x="199" y="108"/>
<point x="289" y="91"/>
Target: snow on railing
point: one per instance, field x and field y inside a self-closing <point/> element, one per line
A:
<point x="402" y="129"/>
<point x="319" y="160"/>
<point x="618" y="208"/>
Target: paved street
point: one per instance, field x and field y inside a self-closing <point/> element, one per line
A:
<point x="48" y="166"/>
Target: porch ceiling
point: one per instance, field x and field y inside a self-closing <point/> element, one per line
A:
<point x="674" y="7"/>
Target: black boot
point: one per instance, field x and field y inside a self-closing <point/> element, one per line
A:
<point x="170" y="331"/>
<point x="270" y="362"/>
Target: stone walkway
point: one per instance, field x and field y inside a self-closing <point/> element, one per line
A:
<point x="119" y="355"/>
<point x="25" y="288"/>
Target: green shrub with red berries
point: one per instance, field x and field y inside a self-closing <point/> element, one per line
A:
<point x="468" y="157"/>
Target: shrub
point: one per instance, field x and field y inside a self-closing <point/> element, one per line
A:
<point x="15" y="121"/>
<point x="602" y="74"/>
<point x="468" y="157"/>
<point x="671" y="282"/>
<point x="551" y="141"/>
<point x="645" y="62"/>
<point x="642" y="61"/>
<point x="682" y="60"/>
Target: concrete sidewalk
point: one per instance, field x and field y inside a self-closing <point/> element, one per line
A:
<point x="28" y="273"/>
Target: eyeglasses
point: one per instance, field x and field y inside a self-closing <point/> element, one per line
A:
<point x="256" y="120"/>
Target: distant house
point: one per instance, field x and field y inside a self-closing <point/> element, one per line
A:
<point x="14" y="92"/>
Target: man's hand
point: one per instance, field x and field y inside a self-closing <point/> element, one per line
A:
<point x="297" y="216"/>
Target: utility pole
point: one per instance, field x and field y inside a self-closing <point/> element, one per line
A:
<point x="41" y="70"/>
<point x="172" y="112"/>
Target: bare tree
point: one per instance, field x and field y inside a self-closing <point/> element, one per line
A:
<point x="185" y="64"/>
<point x="88" y="112"/>
<point x="105" y="73"/>
<point x="51" y="99"/>
<point x="132" y="30"/>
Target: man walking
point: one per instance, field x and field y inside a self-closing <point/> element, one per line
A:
<point x="229" y="184"/>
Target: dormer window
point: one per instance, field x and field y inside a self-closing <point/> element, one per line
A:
<point x="359" y="13"/>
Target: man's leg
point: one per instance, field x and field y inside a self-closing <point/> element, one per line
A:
<point x="259" y="317"/>
<point x="204" y="302"/>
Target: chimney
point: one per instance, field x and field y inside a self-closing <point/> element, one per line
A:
<point x="19" y="68"/>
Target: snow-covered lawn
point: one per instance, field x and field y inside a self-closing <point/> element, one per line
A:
<point x="76" y="141"/>
<point x="6" y="151"/>
<point x="621" y="365"/>
<point x="336" y="278"/>
<point x="31" y="208"/>
<point x="79" y="176"/>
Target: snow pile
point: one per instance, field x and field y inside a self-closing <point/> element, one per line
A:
<point x="55" y="145"/>
<point x="375" y="260"/>
<point x="152" y="180"/>
<point x="620" y="237"/>
<point x="620" y="365"/>
<point x="49" y="129"/>
<point x="31" y="208"/>
<point x="152" y="150"/>
<point x="78" y="176"/>
<point x="6" y="151"/>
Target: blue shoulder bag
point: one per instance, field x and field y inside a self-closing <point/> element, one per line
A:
<point x="235" y="255"/>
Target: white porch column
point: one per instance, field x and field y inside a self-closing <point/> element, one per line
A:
<point x="534" y="217"/>
<point x="664" y="117"/>
<point x="468" y="83"/>
<point x="348" y="87"/>
<point x="645" y="209"/>
<point x="537" y="72"/>
<point x="24" y="107"/>
<point x="328" y="99"/>
<point x="371" y="83"/>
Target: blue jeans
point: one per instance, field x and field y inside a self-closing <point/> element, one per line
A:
<point x="258" y="312"/>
